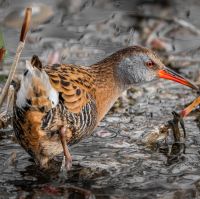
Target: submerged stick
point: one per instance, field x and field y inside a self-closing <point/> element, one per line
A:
<point x="24" y="30"/>
<point x="190" y="108"/>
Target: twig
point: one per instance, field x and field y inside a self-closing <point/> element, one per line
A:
<point x="190" y="108"/>
<point x="181" y="58"/>
<point x="24" y="30"/>
<point x="178" y="117"/>
<point x="187" y="25"/>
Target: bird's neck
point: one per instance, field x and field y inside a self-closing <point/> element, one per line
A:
<point x="108" y="86"/>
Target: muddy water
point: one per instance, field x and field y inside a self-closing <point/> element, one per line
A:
<point x="115" y="162"/>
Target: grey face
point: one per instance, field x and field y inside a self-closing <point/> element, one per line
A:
<point x="138" y="68"/>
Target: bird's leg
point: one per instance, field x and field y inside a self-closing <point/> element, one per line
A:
<point x="67" y="159"/>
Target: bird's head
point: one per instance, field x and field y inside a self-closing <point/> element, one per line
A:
<point x="139" y="65"/>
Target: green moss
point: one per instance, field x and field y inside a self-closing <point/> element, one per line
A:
<point x="2" y="44"/>
<point x="3" y="78"/>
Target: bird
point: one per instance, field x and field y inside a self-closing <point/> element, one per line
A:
<point x="58" y="105"/>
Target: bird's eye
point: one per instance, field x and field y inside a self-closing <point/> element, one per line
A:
<point x="150" y="64"/>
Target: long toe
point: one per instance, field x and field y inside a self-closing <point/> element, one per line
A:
<point x="63" y="168"/>
<point x="68" y="164"/>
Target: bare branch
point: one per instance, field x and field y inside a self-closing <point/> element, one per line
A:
<point x="190" y="108"/>
<point x="172" y="58"/>
<point x="24" y="30"/>
<point x="187" y="25"/>
<point x="180" y="22"/>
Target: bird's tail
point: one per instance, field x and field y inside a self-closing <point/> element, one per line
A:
<point x="35" y="88"/>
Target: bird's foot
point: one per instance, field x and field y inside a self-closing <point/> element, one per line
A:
<point x="66" y="164"/>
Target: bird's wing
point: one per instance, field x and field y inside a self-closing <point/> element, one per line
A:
<point x="73" y="84"/>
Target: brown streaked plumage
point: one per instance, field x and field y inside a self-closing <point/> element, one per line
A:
<point x="61" y="104"/>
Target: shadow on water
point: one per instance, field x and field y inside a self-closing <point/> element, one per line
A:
<point x="52" y="183"/>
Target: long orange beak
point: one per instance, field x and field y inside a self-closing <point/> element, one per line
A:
<point x="167" y="73"/>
